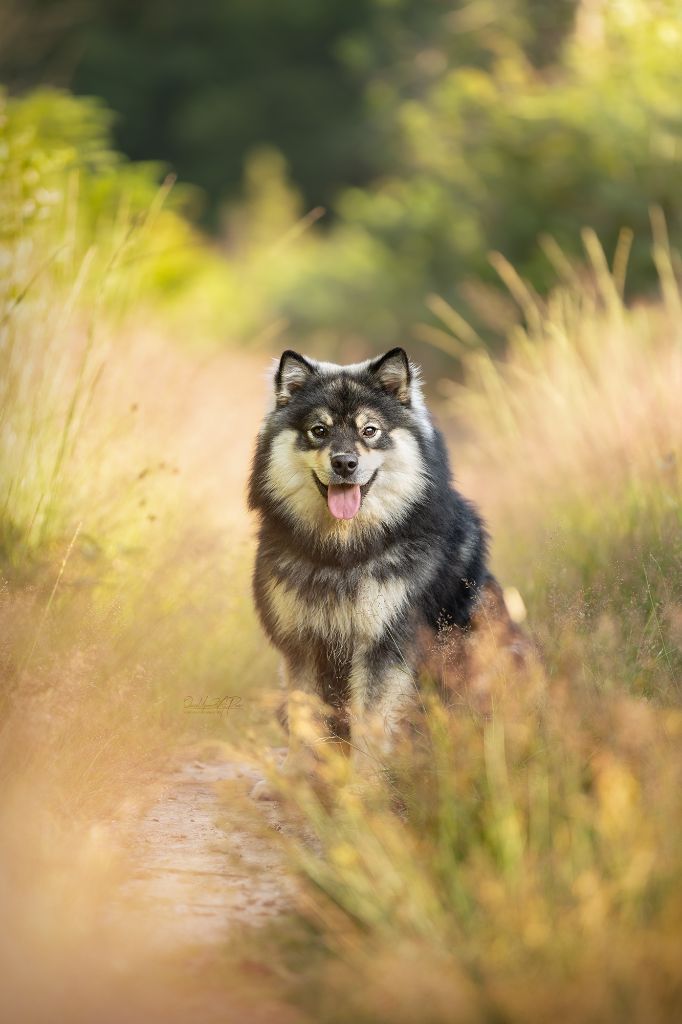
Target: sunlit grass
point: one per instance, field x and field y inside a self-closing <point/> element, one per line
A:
<point x="519" y="868"/>
<point x="125" y="557"/>
<point x="534" y="871"/>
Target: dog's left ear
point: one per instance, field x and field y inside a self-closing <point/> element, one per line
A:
<point x="392" y="374"/>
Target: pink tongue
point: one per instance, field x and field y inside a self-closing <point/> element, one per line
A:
<point x="343" y="500"/>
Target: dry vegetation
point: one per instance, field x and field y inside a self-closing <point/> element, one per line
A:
<point x="125" y="588"/>
<point x="534" y="870"/>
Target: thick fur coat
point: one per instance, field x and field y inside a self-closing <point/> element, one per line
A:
<point x="365" y="548"/>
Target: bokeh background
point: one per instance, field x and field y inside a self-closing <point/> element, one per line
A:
<point x="407" y="140"/>
<point x="185" y="190"/>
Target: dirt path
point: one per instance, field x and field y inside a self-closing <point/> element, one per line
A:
<point x="202" y="862"/>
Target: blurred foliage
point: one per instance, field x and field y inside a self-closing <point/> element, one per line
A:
<point x="83" y="235"/>
<point x="69" y="201"/>
<point x="63" y="191"/>
<point x="500" y="160"/>
<point x="200" y="85"/>
<point x="583" y="411"/>
<point x="439" y="132"/>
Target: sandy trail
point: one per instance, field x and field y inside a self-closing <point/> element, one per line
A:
<point x="203" y="868"/>
<point x="201" y="860"/>
<point x="201" y="865"/>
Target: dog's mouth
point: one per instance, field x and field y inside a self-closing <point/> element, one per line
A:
<point x="344" y="500"/>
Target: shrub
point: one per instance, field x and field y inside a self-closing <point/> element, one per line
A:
<point x="494" y="160"/>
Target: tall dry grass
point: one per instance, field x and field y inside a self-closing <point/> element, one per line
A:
<point x="535" y="869"/>
<point x="126" y="552"/>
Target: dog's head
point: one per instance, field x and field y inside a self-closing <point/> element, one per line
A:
<point x="343" y="446"/>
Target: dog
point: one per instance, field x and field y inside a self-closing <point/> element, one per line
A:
<point x="370" y="565"/>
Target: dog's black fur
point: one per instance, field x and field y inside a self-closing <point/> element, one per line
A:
<point x="434" y="551"/>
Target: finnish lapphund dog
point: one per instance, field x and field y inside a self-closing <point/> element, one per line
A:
<point x="370" y="565"/>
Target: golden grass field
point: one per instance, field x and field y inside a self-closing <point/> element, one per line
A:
<point x="535" y="872"/>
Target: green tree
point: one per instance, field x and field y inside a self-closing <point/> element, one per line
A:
<point x="497" y="156"/>
<point x="199" y="85"/>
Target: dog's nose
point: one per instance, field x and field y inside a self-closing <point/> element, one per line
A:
<point x="344" y="463"/>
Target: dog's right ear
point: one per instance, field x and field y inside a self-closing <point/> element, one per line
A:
<point x="292" y="373"/>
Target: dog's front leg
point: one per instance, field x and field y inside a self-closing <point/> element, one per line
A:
<point x="381" y="689"/>
<point x="306" y="723"/>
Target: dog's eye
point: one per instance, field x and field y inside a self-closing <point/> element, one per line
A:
<point x="318" y="430"/>
<point x="369" y="431"/>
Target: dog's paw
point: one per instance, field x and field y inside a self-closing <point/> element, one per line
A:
<point x="264" y="790"/>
